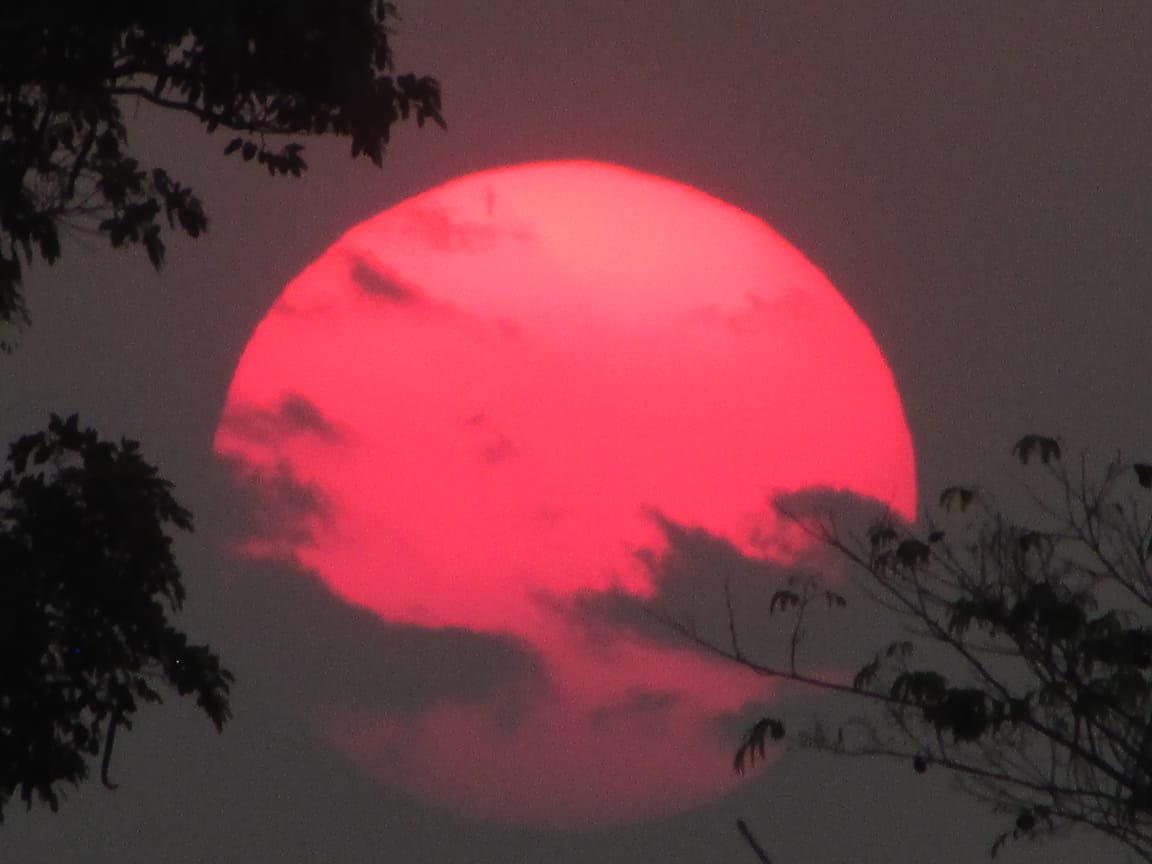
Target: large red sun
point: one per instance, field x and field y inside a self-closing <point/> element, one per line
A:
<point x="496" y="394"/>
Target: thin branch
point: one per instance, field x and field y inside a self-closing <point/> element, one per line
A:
<point x="736" y="652"/>
<point x="757" y="849"/>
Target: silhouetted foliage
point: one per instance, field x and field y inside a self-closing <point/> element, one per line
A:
<point x="87" y="577"/>
<point x="257" y="69"/>
<point x="755" y="741"/>
<point x="87" y="582"/>
<point x="1028" y="671"/>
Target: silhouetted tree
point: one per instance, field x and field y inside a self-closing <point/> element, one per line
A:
<point x="87" y="580"/>
<point x="87" y="577"/>
<point x="1025" y="668"/>
<point x="259" y="69"/>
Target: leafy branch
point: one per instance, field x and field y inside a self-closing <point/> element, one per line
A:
<point x="1039" y="696"/>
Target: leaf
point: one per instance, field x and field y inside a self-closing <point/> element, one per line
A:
<point x="1143" y="474"/>
<point x="920" y="764"/>
<point x="233" y="145"/>
<point x="963" y="711"/>
<point x="1019" y="710"/>
<point x="999" y="844"/>
<point x="867" y="674"/>
<point x="154" y="246"/>
<point x="783" y="600"/>
<point x="912" y="553"/>
<point x="920" y="688"/>
<point x="1033" y="540"/>
<point x="881" y="534"/>
<point x="755" y="742"/>
<point x="1048" y="448"/>
<point x="902" y="648"/>
<point x="956" y="495"/>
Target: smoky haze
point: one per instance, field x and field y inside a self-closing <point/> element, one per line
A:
<point x="974" y="180"/>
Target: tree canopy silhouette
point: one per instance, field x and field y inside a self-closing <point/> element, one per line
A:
<point x="259" y="69"/>
<point x="87" y="576"/>
<point x="87" y="584"/>
<point x="1025" y="663"/>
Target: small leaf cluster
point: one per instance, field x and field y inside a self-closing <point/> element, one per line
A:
<point x="87" y="584"/>
<point x="755" y="743"/>
<point x="1025" y="670"/>
<point x="1049" y="706"/>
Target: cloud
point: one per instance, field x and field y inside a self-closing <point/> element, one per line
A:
<point x="500" y="450"/>
<point x="300" y="416"/>
<point x="445" y="232"/>
<point x="276" y="511"/>
<point x="690" y="572"/>
<point x="383" y="286"/>
<point x="788" y="305"/>
<point x="650" y="708"/>
<point x="317" y="653"/>
<point x="851" y="515"/>
<point x="327" y="652"/>
<point x="698" y="576"/>
<point x="779" y="307"/>
<point x="295" y="416"/>
<point x="381" y="283"/>
<point x="497" y="447"/>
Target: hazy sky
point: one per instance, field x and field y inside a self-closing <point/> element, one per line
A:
<point x="973" y="177"/>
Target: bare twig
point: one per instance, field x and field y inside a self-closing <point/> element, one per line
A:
<point x="756" y="847"/>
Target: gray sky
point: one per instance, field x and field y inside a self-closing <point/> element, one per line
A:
<point x="973" y="177"/>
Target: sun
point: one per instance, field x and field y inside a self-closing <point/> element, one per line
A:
<point x="502" y="401"/>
